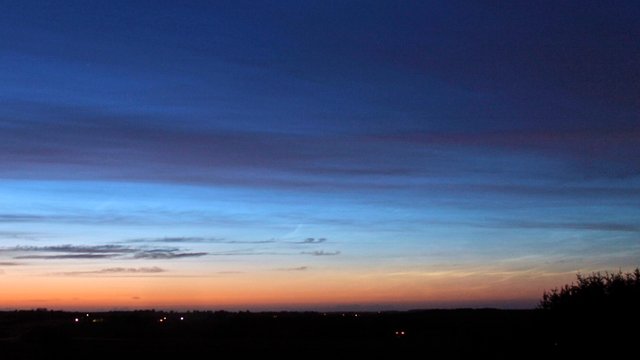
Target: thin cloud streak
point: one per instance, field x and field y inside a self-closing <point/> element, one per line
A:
<point x="299" y="268"/>
<point x="312" y="241"/>
<point x="17" y="235"/>
<point x="595" y="226"/>
<point x="68" y="248"/>
<point x="154" y="254"/>
<point x="179" y="239"/>
<point x="70" y="218"/>
<point x="66" y="257"/>
<point x="321" y="253"/>
<point x="247" y="253"/>
<point x="98" y="252"/>
<point x="115" y="271"/>
<point x="204" y="240"/>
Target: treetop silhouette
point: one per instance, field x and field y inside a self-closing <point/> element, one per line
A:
<point x="596" y="292"/>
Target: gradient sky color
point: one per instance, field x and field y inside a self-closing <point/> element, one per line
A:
<point x="315" y="154"/>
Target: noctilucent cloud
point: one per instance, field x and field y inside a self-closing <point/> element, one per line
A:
<point x="315" y="154"/>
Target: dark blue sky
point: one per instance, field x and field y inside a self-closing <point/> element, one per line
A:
<point x="416" y="137"/>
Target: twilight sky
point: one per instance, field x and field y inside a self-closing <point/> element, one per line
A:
<point x="315" y="154"/>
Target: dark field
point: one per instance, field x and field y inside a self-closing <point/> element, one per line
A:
<point x="413" y="334"/>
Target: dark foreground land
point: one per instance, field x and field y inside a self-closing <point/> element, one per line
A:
<point x="414" y="334"/>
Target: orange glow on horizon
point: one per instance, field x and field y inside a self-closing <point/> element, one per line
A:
<point x="265" y="291"/>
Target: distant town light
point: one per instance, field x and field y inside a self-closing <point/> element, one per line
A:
<point x="77" y="320"/>
<point x="181" y="318"/>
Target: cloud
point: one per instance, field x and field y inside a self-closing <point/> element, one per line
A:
<point x="9" y="263"/>
<point x="299" y="268"/>
<point x="364" y="162"/>
<point x="202" y="156"/>
<point x="178" y="239"/>
<point x="248" y="242"/>
<point x="70" y="251"/>
<point x="610" y="154"/>
<point x="10" y="218"/>
<point x="312" y="241"/>
<point x="321" y="253"/>
<point x="116" y="271"/>
<point x="33" y="146"/>
<point x="16" y="234"/>
<point x="595" y="226"/>
<point x="60" y="252"/>
<point x="166" y="254"/>
<point x="195" y="239"/>
<point x="247" y="252"/>
<point x="68" y="256"/>
<point x="119" y="270"/>
<point x="100" y="218"/>
<point x="116" y="249"/>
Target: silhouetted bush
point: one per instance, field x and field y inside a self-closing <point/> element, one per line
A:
<point x="596" y="292"/>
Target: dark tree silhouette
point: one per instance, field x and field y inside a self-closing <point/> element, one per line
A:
<point x="585" y="319"/>
<point x="617" y="291"/>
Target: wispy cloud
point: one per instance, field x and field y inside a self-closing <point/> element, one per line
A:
<point x="166" y="254"/>
<point x="342" y="163"/>
<point x="61" y="252"/>
<point x="176" y="239"/>
<point x="608" y="154"/>
<point x="321" y="253"/>
<point x="115" y="271"/>
<point x="67" y="256"/>
<point x="68" y="248"/>
<point x="9" y="263"/>
<point x="248" y="241"/>
<point x="346" y="163"/>
<point x="246" y="252"/>
<point x="312" y="241"/>
<point x="11" y="218"/>
<point x="595" y="226"/>
<point x="16" y="235"/>
<point x="100" y="218"/>
<point x="299" y="268"/>
<point x="195" y="239"/>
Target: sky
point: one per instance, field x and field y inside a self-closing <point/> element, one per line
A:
<point x="315" y="154"/>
